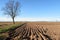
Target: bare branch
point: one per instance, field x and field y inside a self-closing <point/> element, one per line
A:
<point x="12" y="8"/>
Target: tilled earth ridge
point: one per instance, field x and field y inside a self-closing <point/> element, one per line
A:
<point x="32" y="32"/>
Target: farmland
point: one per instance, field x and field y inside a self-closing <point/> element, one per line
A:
<point x="34" y="31"/>
<point x="5" y="27"/>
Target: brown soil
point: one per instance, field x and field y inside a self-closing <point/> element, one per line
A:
<point x="36" y="31"/>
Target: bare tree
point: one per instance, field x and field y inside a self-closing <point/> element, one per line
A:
<point x="12" y="8"/>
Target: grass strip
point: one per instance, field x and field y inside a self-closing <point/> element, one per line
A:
<point x="10" y="27"/>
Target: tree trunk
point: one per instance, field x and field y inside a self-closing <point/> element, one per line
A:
<point x="13" y="20"/>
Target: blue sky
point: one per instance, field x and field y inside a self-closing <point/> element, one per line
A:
<point x="35" y="10"/>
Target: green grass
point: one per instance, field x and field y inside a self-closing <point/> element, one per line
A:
<point x="10" y="27"/>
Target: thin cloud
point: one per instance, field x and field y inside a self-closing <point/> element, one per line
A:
<point x="29" y="19"/>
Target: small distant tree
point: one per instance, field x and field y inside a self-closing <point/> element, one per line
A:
<point x="12" y="8"/>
